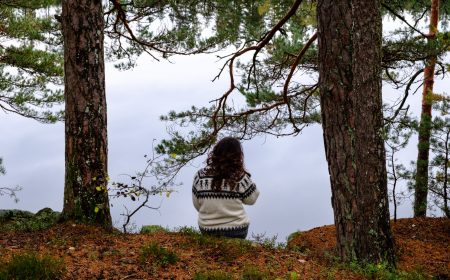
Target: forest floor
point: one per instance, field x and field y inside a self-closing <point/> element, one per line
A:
<point x="423" y="250"/>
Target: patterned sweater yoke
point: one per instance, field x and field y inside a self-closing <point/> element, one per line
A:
<point x="222" y="210"/>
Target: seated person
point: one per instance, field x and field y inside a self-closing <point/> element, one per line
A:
<point x="220" y="190"/>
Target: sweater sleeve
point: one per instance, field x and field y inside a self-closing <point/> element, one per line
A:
<point x="194" y="192"/>
<point x="251" y="192"/>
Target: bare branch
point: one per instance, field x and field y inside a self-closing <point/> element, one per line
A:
<point x="405" y="96"/>
<point x="136" y="189"/>
<point x="11" y="192"/>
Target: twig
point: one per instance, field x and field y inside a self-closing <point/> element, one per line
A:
<point x="408" y="86"/>
<point x="291" y="73"/>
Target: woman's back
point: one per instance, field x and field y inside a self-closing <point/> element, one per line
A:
<point x="220" y="190"/>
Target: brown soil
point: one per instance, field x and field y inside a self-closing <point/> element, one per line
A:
<point x="422" y="244"/>
<point x="90" y="253"/>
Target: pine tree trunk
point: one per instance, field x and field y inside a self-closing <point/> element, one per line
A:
<point x="349" y="38"/>
<point x="421" y="187"/>
<point x="445" y="184"/>
<point x="85" y="194"/>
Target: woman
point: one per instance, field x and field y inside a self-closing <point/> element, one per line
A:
<point x="220" y="190"/>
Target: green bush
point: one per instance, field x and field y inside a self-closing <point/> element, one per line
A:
<point x="188" y="230"/>
<point x="30" y="266"/>
<point x="159" y="254"/>
<point x="152" y="229"/>
<point x="383" y="272"/>
<point x="7" y="215"/>
<point x="18" y="220"/>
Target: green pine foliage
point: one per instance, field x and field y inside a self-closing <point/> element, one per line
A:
<point x="31" y="63"/>
<point x="168" y="27"/>
<point x="439" y="165"/>
<point x="418" y="8"/>
<point x="261" y="77"/>
<point x="6" y="190"/>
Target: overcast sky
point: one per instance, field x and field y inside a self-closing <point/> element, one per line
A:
<point x="290" y="172"/>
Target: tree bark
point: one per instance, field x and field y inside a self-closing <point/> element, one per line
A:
<point x="349" y="40"/>
<point x="445" y="184"/>
<point x="421" y="186"/>
<point x="86" y="176"/>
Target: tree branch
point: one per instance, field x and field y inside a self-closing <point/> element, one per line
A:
<point x="404" y="20"/>
<point x="221" y="106"/>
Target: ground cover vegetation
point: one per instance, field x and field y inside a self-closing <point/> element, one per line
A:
<point x="76" y="251"/>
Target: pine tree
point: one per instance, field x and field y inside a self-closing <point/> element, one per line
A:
<point x="439" y="164"/>
<point x="30" y="60"/>
<point x="352" y="120"/>
<point x="421" y="184"/>
<point x="351" y="112"/>
<point x="30" y="65"/>
<point x="86" y="178"/>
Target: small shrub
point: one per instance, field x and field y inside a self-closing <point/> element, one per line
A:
<point x="329" y="273"/>
<point x="294" y="235"/>
<point x="29" y="266"/>
<point x="415" y="275"/>
<point x="267" y="242"/>
<point x="92" y="255"/>
<point x="383" y="272"/>
<point x="195" y="234"/>
<point x="296" y="244"/>
<point x="332" y="258"/>
<point x="188" y="230"/>
<point x="159" y="254"/>
<point x="252" y="273"/>
<point x="152" y="229"/>
<point x="227" y="249"/>
<point x="213" y="275"/>
<point x="293" y="276"/>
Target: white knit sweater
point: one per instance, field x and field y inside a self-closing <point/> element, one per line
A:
<point x="222" y="210"/>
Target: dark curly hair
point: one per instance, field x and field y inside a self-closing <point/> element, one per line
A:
<point x="225" y="163"/>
